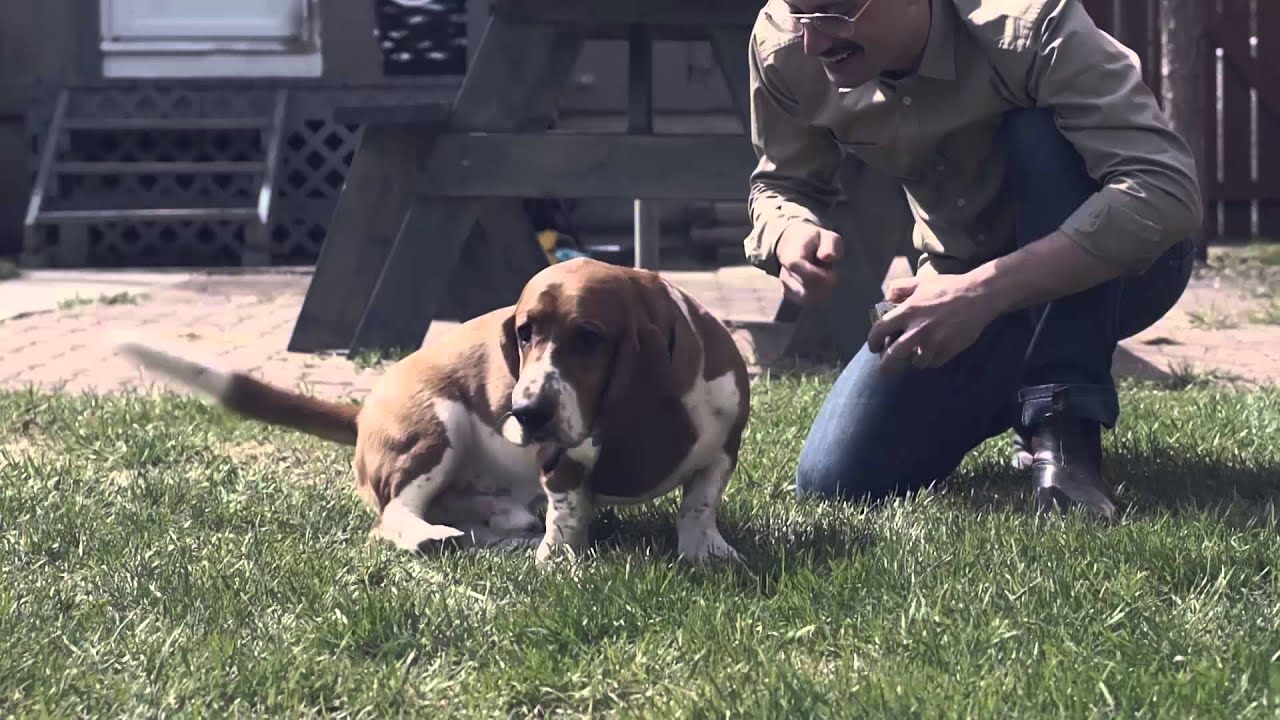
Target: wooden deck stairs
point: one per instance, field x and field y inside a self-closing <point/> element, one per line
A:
<point x="70" y="220"/>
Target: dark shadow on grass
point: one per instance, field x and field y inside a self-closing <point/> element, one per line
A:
<point x="1147" y="484"/>
<point x="649" y="534"/>
<point x="769" y="551"/>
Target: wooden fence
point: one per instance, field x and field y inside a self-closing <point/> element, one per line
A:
<point x="1242" y="120"/>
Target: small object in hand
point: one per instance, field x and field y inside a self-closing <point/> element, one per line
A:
<point x="878" y="312"/>
<point x="881" y="309"/>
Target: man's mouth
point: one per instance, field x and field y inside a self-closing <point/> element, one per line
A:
<point x="837" y="58"/>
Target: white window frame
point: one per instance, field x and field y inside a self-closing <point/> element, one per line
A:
<point x="195" y="55"/>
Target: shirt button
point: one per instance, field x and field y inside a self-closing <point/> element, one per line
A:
<point x="906" y="100"/>
<point x="961" y="202"/>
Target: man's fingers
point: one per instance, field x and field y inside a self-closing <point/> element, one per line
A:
<point x="893" y="323"/>
<point x="791" y="285"/>
<point x="925" y="357"/>
<point x="830" y="247"/>
<point x="878" y="335"/>
<point x="903" y="349"/>
<point x="814" y="278"/>
<point x="899" y="290"/>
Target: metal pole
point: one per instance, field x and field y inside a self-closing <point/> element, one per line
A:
<point x="645" y="217"/>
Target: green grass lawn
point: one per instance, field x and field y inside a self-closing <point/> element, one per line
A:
<point x="160" y="557"/>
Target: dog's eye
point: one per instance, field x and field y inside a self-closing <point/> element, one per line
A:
<point x="525" y="332"/>
<point x="586" y="340"/>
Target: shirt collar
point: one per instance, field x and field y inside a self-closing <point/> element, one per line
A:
<point x="939" y="58"/>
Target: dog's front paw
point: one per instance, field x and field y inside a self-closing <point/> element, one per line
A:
<point x="553" y="552"/>
<point x="710" y="548"/>
<point x="567" y="521"/>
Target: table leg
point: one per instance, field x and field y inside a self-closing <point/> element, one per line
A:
<point x="514" y="83"/>
<point x="365" y="223"/>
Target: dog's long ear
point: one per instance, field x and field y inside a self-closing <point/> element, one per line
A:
<point x="643" y="359"/>
<point x="510" y="344"/>
<point x="641" y="365"/>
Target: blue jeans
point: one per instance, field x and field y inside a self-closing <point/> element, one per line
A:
<point x="881" y="434"/>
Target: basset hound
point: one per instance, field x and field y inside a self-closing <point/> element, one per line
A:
<point x="602" y="385"/>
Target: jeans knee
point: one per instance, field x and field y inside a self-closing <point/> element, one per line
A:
<point x="849" y="473"/>
<point x="1047" y="173"/>
<point x="1024" y="127"/>
<point x="1146" y="298"/>
<point x="1036" y="150"/>
<point x="814" y="477"/>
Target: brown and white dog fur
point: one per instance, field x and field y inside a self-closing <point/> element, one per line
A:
<point x="602" y="385"/>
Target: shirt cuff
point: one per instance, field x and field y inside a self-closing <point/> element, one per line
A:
<point x="1108" y="230"/>
<point x="762" y="244"/>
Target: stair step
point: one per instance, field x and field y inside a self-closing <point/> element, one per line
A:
<point x="49" y="217"/>
<point x="248" y="123"/>
<point x="157" y="167"/>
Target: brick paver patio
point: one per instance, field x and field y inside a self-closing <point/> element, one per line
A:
<point x="244" y="319"/>
<point x="240" y="319"/>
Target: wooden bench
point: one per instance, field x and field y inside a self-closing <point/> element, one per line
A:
<point x="430" y="222"/>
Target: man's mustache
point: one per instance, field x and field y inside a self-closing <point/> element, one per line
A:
<point x="836" y="51"/>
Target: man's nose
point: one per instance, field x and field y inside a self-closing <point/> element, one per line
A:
<point x="815" y="42"/>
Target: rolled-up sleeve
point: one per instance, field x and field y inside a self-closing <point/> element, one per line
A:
<point x="1150" y="197"/>
<point x="795" y="178"/>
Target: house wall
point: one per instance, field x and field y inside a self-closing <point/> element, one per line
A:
<point x="50" y="42"/>
<point x="39" y="40"/>
<point x="350" y="51"/>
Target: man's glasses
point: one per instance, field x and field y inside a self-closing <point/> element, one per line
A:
<point x="830" y="23"/>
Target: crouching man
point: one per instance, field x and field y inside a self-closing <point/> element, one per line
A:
<point x="1053" y="205"/>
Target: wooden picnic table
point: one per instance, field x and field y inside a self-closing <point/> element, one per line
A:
<point x="430" y="221"/>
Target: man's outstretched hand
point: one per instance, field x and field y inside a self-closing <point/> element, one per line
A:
<point x="937" y="318"/>
<point x="807" y="255"/>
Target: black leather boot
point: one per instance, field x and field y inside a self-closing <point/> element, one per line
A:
<point x="1066" y="466"/>
<point x="1021" y="449"/>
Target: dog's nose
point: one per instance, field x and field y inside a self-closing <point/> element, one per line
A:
<point x="532" y="416"/>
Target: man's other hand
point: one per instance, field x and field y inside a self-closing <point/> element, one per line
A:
<point x="807" y="255"/>
<point x="937" y="318"/>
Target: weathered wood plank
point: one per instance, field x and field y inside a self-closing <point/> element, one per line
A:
<point x="514" y="83"/>
<point x="417" y="271"/>
<point x="368" y="216"/>
<point x="1231" y="33"/>
<point x="730" y="46"/>
<point x="158" y="167"/>
<point x="516" y="79"/>
<point x="625" y="12"/>
<point x="1268" y="23"/>
<point x="1183" y="50"/>
<point x="426" y="115"/>
<point x="516" y="255"/>
<point x="589" y="165"/>
<point x="1257" y="74"/>
<point x="498" y="258"/>
<point x="1241" y="191"/>
<point x="144" y="214"/>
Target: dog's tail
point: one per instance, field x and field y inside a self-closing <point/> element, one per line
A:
<point x="249" y="397"/>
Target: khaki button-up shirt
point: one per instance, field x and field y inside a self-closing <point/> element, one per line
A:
<point x="935" y="131"/>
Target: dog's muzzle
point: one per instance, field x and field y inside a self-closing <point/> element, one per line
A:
<point x="535" y="416"/>
<point x="529" y="422"/>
